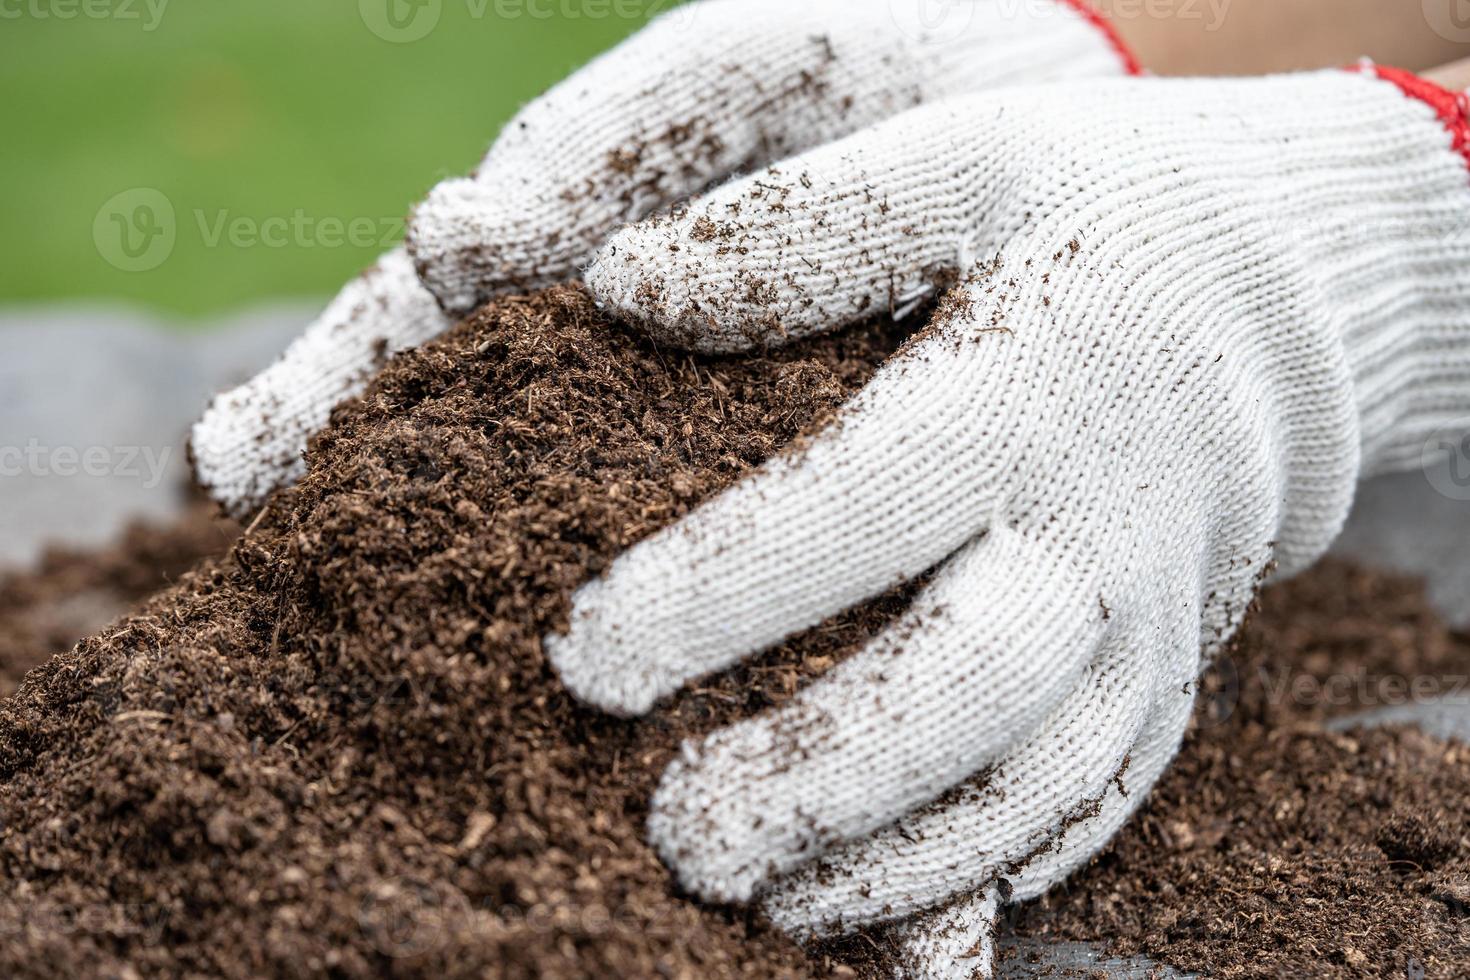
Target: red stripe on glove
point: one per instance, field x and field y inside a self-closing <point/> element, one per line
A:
<point x="1453" y="108"/>
<point x="1095" y="17"/>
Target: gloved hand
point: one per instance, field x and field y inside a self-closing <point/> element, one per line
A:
<point x="1192" y="315"/>
<point x="716" y="87"/>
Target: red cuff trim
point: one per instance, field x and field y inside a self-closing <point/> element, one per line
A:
<point x="1094" y="17"/>
<point x="1453" y="108"/>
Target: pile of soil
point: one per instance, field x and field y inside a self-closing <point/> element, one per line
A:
<point x="1277" y="848"/>
<point x="338" y="751"/>
<point x="72" y="592"/>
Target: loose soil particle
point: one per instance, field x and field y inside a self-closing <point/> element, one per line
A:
<point x="337" y="751"/>
<point x="72" y="592"/>
<point x="1275" y="848"/>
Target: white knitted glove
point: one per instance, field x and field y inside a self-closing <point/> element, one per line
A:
<point x="715" y="87"/>
<point x="1195" y="313"/>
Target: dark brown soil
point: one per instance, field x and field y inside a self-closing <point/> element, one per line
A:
<point x="339" y="751"/>
<point x="1274" y="848"/>
<point x="72" y="592"/>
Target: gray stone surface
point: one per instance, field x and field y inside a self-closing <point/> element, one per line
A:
<point x="1024" y="960"/>
<point x="1402" y="522"/>
<point x="95" y="404"/>
<point x="1447" y="718"/>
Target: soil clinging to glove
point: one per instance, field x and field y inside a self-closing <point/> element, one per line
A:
<point x="338" y="751"/>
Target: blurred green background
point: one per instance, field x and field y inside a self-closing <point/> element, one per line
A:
<point x="310" y="126"/>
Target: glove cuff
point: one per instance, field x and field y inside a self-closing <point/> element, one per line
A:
<point x="1411" y="362"/>
<point x="1452" y="108"/>
<point x="1100" y="21"/>
<point x="986" y="45"/>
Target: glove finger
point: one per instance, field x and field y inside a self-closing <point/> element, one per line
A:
<point x="251" y="440"/>
<point x="956" y="942"/>
<point x="876" y="222"/>
<point x="877" y="497"/>
<point x="995" y="822"/>
<point x="1157" y="747"/>
<point x="693" y="97"/>
<point x="704" y="92"/>
<point x="986" y="652"/>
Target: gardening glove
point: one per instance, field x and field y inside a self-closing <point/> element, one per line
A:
<point x="712" y="88"/>
<point x="1191" y="315"/>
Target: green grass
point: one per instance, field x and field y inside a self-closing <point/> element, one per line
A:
<point x="254" y="110"/>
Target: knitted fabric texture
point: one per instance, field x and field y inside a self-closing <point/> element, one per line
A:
<point x="1191" y="314"/>
<point x="711" y="89"/>
<point x="1453" y="108"/>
